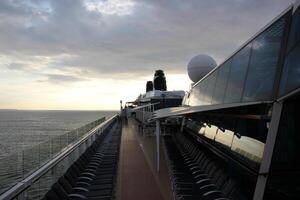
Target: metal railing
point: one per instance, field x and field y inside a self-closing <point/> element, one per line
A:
<point x="29" y="174"/>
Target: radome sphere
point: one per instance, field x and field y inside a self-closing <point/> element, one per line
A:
<point x="199" y="66"/>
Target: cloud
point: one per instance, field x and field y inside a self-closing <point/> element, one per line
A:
<point x="58" y="78"/>
<point x="109" y="38"/>
<point x="17" y="66"/>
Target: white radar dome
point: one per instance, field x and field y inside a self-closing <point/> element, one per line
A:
<point x="199" y="66"/>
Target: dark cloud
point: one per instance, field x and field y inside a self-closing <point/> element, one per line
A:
<point x="157" y="34"/>
<point x="58" y="78"/>
<point x="17" y="66"/>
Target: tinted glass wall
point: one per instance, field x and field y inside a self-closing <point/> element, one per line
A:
<point x="243" y="139"/>
<point x="290" y="79"/>
<point x="248" y="75"/>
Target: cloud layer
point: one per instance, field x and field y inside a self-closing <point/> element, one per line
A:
<point x="56" y="51"/>
<point x="109" y="37"/>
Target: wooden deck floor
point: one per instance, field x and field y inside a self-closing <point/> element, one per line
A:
<point x="137" y="178"/>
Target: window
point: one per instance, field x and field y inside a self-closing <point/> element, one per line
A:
<point x="294" y="35"/>
<point x="290" y="78"/>
<point x="263" y="63"/>
<point x="237" y="75"/>
<point x="193" y="96"/>
<point x="211" y="82"/>
<point x="221" y="83"/>
<point x="203" y="89"/>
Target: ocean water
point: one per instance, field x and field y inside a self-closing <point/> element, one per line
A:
<point x="20" y="129"/>
<point x="25" y="131"/>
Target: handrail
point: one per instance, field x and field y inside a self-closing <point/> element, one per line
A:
<point x="27" y="182"/>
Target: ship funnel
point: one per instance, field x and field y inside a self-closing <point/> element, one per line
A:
<point x="160" y="80"/>
<point x="149" y="86"/>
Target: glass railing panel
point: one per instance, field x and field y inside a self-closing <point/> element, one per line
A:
<point x="204" y="91"/>
<point x="31" y="160"/>
<point x="21" y="164"/>
<point x="294" y="34"/>
<point x="264" y="62"/>
<point x="11" y="170"/>
<point x="237" y="75"/>
<point x="221" y="83"/>
<point x="291" y="72"/>
<point x="44" y="152"/>
<point x="258" y="61"/>
<point x="211" y="82"/>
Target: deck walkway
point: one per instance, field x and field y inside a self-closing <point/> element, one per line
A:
<point x="136" y="177"/>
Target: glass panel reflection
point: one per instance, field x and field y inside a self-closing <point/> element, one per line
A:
<point x="211" y="82"/>
<point x="248" y="147"/>
<point x="290" y="78"/>
<point x="294" y="35"/>
<point x="221" y="83"/>
<point x="225" y="137"/>
<point x="210" y="131"/>
<point x="263" y="63"/>
<point x="237" y="75"/>
<point x="245" y="146"/>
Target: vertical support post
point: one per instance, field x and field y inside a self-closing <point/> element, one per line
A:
<point x="268" y="152"/>
<point x="157" y="143"/>
<point x="51" y="151"/>
<point x="182" y="124"/>
<point x="143" y="115"/>
<point x="23" y="162"/>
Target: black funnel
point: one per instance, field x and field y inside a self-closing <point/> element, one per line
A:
<point x="160" y="80"/>
<point x="149" y="86"/>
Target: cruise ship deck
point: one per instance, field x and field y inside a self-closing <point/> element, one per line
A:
<point x="138" y="177"/>
<point x="233" y="136"/>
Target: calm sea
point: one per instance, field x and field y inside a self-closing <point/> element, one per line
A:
<point x="20" y="129"/>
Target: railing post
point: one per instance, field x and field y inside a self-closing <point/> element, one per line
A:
<point x="157" y="144"/>
<point x="51" y="150"/>
<point x="23" y="167"/>
<point x="59" y="143"/>
<point x="39" y="154"/>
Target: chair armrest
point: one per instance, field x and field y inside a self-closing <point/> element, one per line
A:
<point x="81" y="178"/>
<point x="214" y="192"/>
<point x="77" y="196"/>
<point x="82" y="183"/>
<point x="208" y="186"/>
<point x="203" y="180"/>
<point x="81" y="189"/>
<point x="88" y="174"/>
<point x="90" y="170"/>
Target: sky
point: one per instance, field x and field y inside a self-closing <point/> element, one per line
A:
<point x="90" y="54"/>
